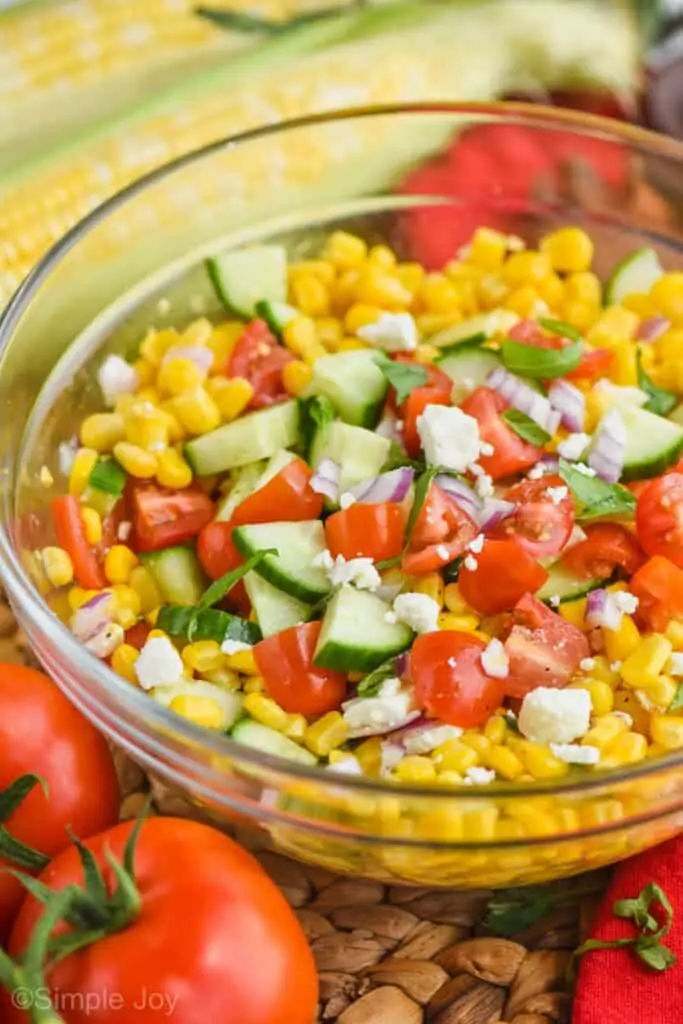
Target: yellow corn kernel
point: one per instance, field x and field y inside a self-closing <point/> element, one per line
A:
<point x="345" y="250"/>
<point x="382" y="256"/>
<point x="600" y="812"/>
<point x="526" y="268"/>
<point x="674" y="633"/>
<point x="491" y="291"/>
<point x="415" y="769"/>
<point x="323" y="270"/>
<point x="172" y="470"/>
<point x="449" y="779"/>
<point x="77" y="597"/>
<point x="613" y="325"/>
<point x="378" y="288"/>
<point x="317" y="351"/>
<point x="328" y="331"/>
<point x="203" y="656"/>
<point x="222" y="342"/>
<point x="522" y="300"/>
<point x="667" y="731"/>
<point x="660" y="692"/>
<point x="58" y="566"/>
<point x="179" y="374"/>
<point x="242" y="661"/>
<point x="602" y="670"/>
<point x="102" y="431"/>
<point x="155" y="345"/>
<point x="119" y="563"/>
<point x="146" y="373"/>
<point x="135" y="460"/>
<point x="344" y="291"/>
<point x="326" y="734"/>
<point x="309" y="294"/>
<point x="505" y="763"/>
<point x="369" y="753"/>
<point x="459" y="623"/>
<point x="455" y="756"/>
<point x="477" y="741"/>
<point x="535" y="822"/>
<point x="570" y="250"/>
<point x="349" y="345"/>
<point x="296" y="727"/>
<point x="443" y="824"/>
<point x="83" y="465"/>
<point x="411" y="276"/>
<point x="568" y="818"/>
<point x="142" y="582"/>
<point x="669" y="346"/>
<point x="203" y="711"/>
<point x="432" y="586"/>
<point x="123" y="661"/>
<point x="481" y="824"/>
<point x="439" y="295"/>
<point x="266" y="711"/>
<point x="624" y="369"/>
<point x="92" y="524"/>
<point x="231" y="396"/>
<point x="296" y="376"/>
<point x="429" y="324"/>
<point x="454" y="600"/>
<point x="487" y="249"/>
<point x="640" y="303"/>
<point x="158" y="634"/>
<point x="254" y="684"/>
<point x="605" y="729"/>
<point x="360" y="315"/>
<point x="197" y="411"/>
<point x="581" y="315"/>
<point x="629" y="748"/>
<point x="602" y="696"/>
<point x="621" y="642"/>
<point x="426" y="353"/>
<point x="126" y="605"/>
<point x="645" y="663"/>
<point x="223" y="677"/>
<point x="584" y="287"/>
<point x="627" y="702"/>
<point x="542" y="763"/>
<point x="667" y="296"/>
<point x="299" y="335"/>
<point x="147" y="426"/>
<point x="551" y="290"/>
<point x="507" y="830"/>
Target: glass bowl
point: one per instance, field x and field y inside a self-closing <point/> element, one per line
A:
<point x="138" y="259"/>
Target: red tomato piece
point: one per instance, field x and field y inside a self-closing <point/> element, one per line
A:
<point x="286" y="497"/>
<point x="258" y="358"/>
<point x="450" y="682"/>
<point x="659" y="518"/>
<point x="413" y="407"/>
<point x="658" y="585"/>
<point x="441" y="533"/>
<point x="285" y="660"/>
<point x="162" y="518"/>
<point x="543" y="649"/>
<point x="70" y="534"/>
<point x="366" y="531"/>
<point x="541" y="525"/>
<point x="505" y="572"/>
<point x="188" y="954"/>
<point x="137" y="635"/>
<point x="510" y="453"/>
<point x="593" y="365"/>
<point x="529" y="332"/>
<point x="607" y="547"/>
<point x="217" y="555"/>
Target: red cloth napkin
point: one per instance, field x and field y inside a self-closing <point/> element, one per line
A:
<point x="614" y="987"/>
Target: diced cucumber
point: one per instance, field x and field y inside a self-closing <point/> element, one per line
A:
<point x="276" y="314"/>
<point x="292" y="569"/>
<point x="246" y="276"/>
<point x="652" y="443"/>
<point x="177" y="574"/>
<point x="468" y="366"/>
<point x="244" y="483"/>
<point x="261" y="737"/>
<point x="637" y="273"/>
<point x="565" y="585"/>
<point x="677" y="415"/>
<point x="275" y="610"/>
<point x="354" y="384"/>
<point x="229" y="701"/>
<point x="498" y="321"/>
<point x="360" y="453"/>
<point x="259" y="435"/>
<point x="355" y="635"/>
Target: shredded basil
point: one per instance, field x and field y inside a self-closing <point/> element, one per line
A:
<point x="659" y="400"/>
<point x="525" y="427"/>
<point x="540" y="363"/>
<point x="560" y="328"/>
<point x="596" y="499"/>
<point x="403" y="377"/>
<point x="372" y="683"/>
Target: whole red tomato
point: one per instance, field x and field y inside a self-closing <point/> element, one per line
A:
<point x="41" y="733"/>
<point x="212" y="938"/>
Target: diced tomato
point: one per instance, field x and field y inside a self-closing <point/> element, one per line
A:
<point x="286" y="497"/>
<point x="607" y="547"/>
<point x="258" y="358"/>
<point x="111" y="523"/>
<point x="449" y="679"/>
<point x="510" y="453"/>
<point x="366" y="531"/>
<point x="70" y="533"/>
<point x="162" y="518"/>
<point x="413" y="407"/>
<point x="543" y="649"/>
<point x="216" y="552"/>
<point x="658" y="585"/>
<point x="441" y="533"/>
<point x="594" y="364"/>
<point x="504" y="573"/>
<point x="659" y="517"/>
<point x="541" y="525"/>
<point x="137" y="635"/>
<point x="285" y="660"/>
<point x="529" y="332"/>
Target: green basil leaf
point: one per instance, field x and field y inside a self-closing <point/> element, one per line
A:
<point x="525" y="427"/>
<point x="398" y="458"/>
<point x="388" y="563"/>
<point x="315" y="414"/>
<point x="109" y="477"/>
<point x="372" y="683"/>
<point x="424" y="482"/>
<point x="404" y="377"/>
<point x="560" y="328"/>
<point x="596" y="499"/>
<point x="659" y="400"/>
<point x="206" y="624"/>
<point x="220" y="588"/>
<point x="541" y="363"/>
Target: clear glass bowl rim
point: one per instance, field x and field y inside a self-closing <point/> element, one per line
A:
<point x="146" y="712"/>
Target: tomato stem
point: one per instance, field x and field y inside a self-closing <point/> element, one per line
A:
<point x="11" y="849"/>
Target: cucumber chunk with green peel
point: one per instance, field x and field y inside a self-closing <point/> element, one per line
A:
<point x="637" y="273"/>
<point x="258" y="435"/>
<point x="353" y="383"/>
<point x="244" y="483"/>
<point x="292" y="569"/>
<point x="566" y="586"/>
<point x="274" y="609"/>
<point x="498" y="321"/>
<point x="356" y="635"/>
<point x="468" y="366"/>
<point x="652" y="443"/>
<point x="359" y="453"/>
<point x="177" y="574"/>
<point x="276" y="314"/>
<point x="247" y="276"/>
<point x="261" y="737"/>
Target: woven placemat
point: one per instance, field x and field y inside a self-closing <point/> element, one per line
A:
<point x="394" y="955"/>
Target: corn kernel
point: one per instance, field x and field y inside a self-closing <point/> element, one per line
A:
<point x="135" y="460"/>
<point x="477" y="741"/>
<point x="58" y="566"/>
<point x="126" y="605"/>
<point x="639" y="303"/>
<point x="266" y="711"/>
<point x="488" y="249"/>
<point x="431" y="585"/>
<point x="570" y="250"/>
<point x="526" y="268"/>
<point x="230" y="396"/>
<point x="667" y="731"/>
<point x="449" y="779"/>
<point x="455" y="756"/>
<point x="481" y="824"/>
<point x="92" y="525"/>
<point x="197" y="411"/>
<point x="345" y="250"/>
<point x="197" y="333"/>
<point x="328" y="732"/>
<point x="222" y="342"/>
<point x="172" y="470"/>
<point x="360" y="315"/>
<point x="551" y="291"/>
<point x="179" y="374"/>
<point x="378" y="288"/>
<point x="621" y="642"/>
<point x="349" y="345"/>
<point x="143" y="583"/>
<point x="491" y="291"/>
<point x="624" y="369"/>
<point x="147" y="426"/>
<point x="459" y="623"/>
<point x="415" y="769"/>
<point x="102" y="431"/>
<point x="381" y="256"/>
<point x="542" y="763"/>
<point x="223" y="677"/>
<point x="296" y="728"/>
<point x="78" y="597"/>
<point x="203" y="656"/>
<point x="411" y="276"/>
<point x="535" y="822"/>
<point x="119" y="563"/>
<point x="344" y="292"/>
<point x="323" y="270"/>
<point x="317" y="351"/>
<point x="602" y="697"/>
<point x="254" y="684"/>
<point x="158" y="634"/>
<point x="645" y="663"/>
<point x="674" y="633"/>
<point x="429" y="324"/>
<point x="627" y="702"/>
<point x="426" y="353"/>
<point x="155" y="345"/>
<point x="669" y="346"/>
<point x="522" y="301"/>
<point x="660" y="692"/>
<point x="309" y="294"/>
<point x="613" y="325"/>
<point x="203" y="711"/>
<point x="146" y="373"/>
<point x="296" y="376"/>
<point x="439" y="295"/>
<point x="83" y="465"/>
<point x="242" y="661"/>
<point x="581" y="315"/>
<point x="369" y="753"/>
<point x="629" y="748"/>
<point x="584" y="287"/>
<point x="667" y="297"/>
<point x="507" y="830"/>
<point x="600" y="812"/>
<point x="443" y="824"/>
<point x="454" y="600"/>
<point x="602" y="670"/>
<point x="299" y="335"/>
<point x="123" y="661"/>
<point x="495" y="729"/>
<point x="328" y="331"/>
<point x="605" y="729"/>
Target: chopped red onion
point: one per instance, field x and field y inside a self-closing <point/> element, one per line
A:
<point x="466" y="496"/>
<point x="550" y="462"/>
<point x="526" y="399"/>
<point x="388" y="427"/>
<point x="601" y="611"/>
<point x="391" y="486"/>
<point x="390" y="755"/>
<point x="653" y="328"/>
<point x="402" y="665"/>
<point x="383" y="730"/>
<point x="569" y="402"/>
<point x="494" y="512"/>
<point x="325" y="480"/>
<point x="609" y="449"/>
<point x="201" y="357"/>
<point x="92" y="617"/>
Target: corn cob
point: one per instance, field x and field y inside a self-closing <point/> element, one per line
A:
<point x="401" y="52"/>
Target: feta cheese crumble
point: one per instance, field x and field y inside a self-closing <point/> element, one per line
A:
<point x="557" y="494"/>
<point x="116" y="377"/>
<point x="158" y="664"/>
<point x="494" y="660"/>
<point x="450" y="438"/>
<point x="537" y="471"/>
<point x="485" y="448"/>
<point x="66" y="456"/>
<point x="470" y="563"/>
<point x="419" y="611"/>
<point x="123" y="532"/>
<point x="554" y="601"/>
<point x="346" y="500"/>
<point x="587" y="664"/>
<point x="483" y="485"/>
<point x="479" y="776"/>
<point x="365" y="716"/>
<point x="394" y="332"/>
<point x="358" y="572"/>
<point x="572" y="753"/>
<point x="573" y="447"/>
<point x="424" y="741"/>
<point x="555" y="716"/>
<point x="349" y="766"/>
<point x="476" y="546"/>
<point x="234" y="646"/>
<point x="675" y="664"/>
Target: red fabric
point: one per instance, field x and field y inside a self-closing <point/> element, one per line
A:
<point x="614" y="987"/>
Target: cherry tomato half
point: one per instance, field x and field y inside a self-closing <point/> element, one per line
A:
<point x="441" y="533"/>
<point x="543" y="649"/>
<point x="258" y="358"/>
<point x="450" y="682"/>
<point x="287" y="497"/>
<point x="504" y="573"/>
<point x="217" y="555"/>
<point x="366" y="531"/>
<point x="285" y="660"/>
<point x="659" y="518"/>
<point x="162" y="518"/>
<point x="510" y="453"/>
<point x="541" y="523"/>
<point x="658" y="585"/>
<point x="607" y="547"/>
